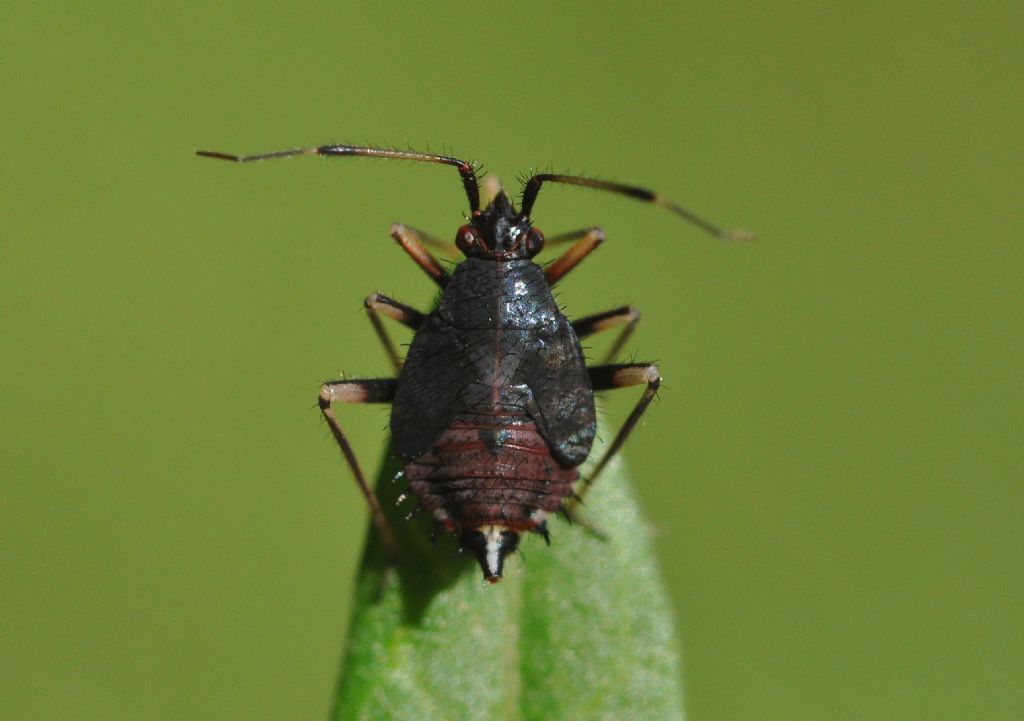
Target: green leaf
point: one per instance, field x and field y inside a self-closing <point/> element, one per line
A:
<point x="580" y="630"/>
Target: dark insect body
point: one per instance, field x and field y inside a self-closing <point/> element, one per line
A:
<point x="493" y="407"/>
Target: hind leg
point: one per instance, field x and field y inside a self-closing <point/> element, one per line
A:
<point x="378" y="304"/>
<point x="361" y="391"/>
<point x="620" y="375"/>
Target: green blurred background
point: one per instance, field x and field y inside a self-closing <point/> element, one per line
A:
<point x="834" y="470"/>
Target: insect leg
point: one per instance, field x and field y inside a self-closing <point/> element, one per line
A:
<point x="361" y="391"/>
<point x="550" y="241"/>
<point x="586" y="240"/>
<point x="414" y="242"/>
<point x="433" y="241"/>
<point x="627" y="315"/>
<point x="620" y="375"/>
<point x="378" y="304"/>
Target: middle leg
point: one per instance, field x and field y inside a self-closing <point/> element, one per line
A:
<point x="627" y="316"/>
<point x="378" y="304"/>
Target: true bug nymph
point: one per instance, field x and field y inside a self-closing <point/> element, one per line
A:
<point x="493" y="407"/>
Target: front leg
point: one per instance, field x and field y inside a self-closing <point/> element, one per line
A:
<point x="361" y="391"/>
<point x="414" y="243"/>
<point x="586" y="240"/>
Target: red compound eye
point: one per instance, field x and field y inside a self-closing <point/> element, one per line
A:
<point x="534" y="242"/>
<point x="467" y="239"/>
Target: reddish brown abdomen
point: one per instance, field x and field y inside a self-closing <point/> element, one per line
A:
<point x="490" y="469"/>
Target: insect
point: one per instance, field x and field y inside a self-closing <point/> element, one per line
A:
<point x="493" y="407"/>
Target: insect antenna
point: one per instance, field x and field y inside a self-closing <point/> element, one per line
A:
<point x="532" y="188"/>
<point x="466" y="171"/>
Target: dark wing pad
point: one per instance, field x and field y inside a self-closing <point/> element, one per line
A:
<point x="439" y="380"/>
<point x="555" y="371"/>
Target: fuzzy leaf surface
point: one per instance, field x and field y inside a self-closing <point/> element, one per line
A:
<point x="579" y="630"/>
